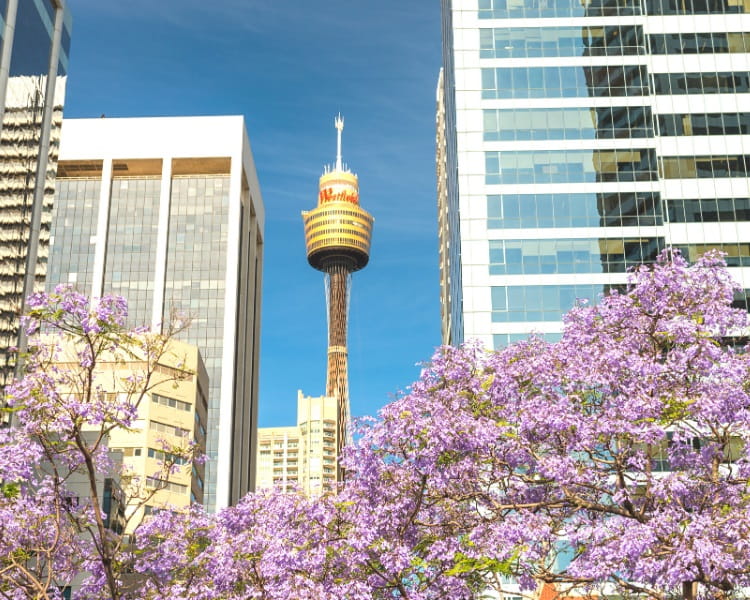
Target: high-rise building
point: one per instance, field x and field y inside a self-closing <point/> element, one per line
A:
<point x="167" y="212"/>
<point x="303" y="457"/>
<point x="578" y="139"/>
<point x="33" y="65"/>
<point x="337" y="234"/>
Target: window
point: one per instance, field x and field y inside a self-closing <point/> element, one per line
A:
<point x="513" y="211"/>
<point x="574" y="166"/>
<point x="540" y="302"/>
<point x="501" y="340"/>
<point x="694" y="43"/>
<point x="171" y="402"/>
<point x="169" y="429"/>
<point x="509" y="42"/>
<point x="704" y="124"/>
<point x="683" y="167"/>
<point x="166" y="457"/>
<point x="502" y="9"/>
<point x="586" y="255"/>
<point x="737" y="255"/>
<point x="696" y="7"/>
<point x="605" y="122"/>
<point x="163" y="484"/>
<point x="565" y="82"/>
<point x="725" y="82"/>
<point x="708" y="210"/>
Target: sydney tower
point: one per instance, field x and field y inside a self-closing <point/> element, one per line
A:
<point x="337" y="234"/>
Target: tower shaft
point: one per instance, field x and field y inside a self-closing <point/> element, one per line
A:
<point x="337" y="377"/>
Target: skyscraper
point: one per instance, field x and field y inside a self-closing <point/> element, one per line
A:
<point x="33" y="66"/>
<point x="167" y="212"/>
<point x="578" y="139"/>
<point x="337" y="234"/>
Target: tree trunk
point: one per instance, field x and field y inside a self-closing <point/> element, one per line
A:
<point x="689" y="590"/>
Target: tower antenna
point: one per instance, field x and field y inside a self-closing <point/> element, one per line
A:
<point x="339" y="124"/>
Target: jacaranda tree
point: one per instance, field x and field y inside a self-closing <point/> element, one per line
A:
<point x="54" y="456"/>
<point x="615" y="461"/>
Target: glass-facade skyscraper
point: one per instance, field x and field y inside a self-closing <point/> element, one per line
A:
<point x="579" y="138"/>
<point x="34" y="47"/>
<point x="167" y="212"/>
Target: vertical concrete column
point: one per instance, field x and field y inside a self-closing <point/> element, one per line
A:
<point x="160" y="266"/>
<point x="223" y="463"/>
<point x="102" y="225"/>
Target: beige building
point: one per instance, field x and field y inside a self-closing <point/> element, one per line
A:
<point x="301" y="457"/>
<point x="171" y="415"/>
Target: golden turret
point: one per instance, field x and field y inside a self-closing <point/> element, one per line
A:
<point x="338" y="230"/>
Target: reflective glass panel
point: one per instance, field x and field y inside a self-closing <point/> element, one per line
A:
<point x="684" y="167"/>
<point x="564" y="82"/>
<point x="73" y="234"/>
<point x="604" y="122"/>
<point x="504" y="9"/>
<point x="704" y="124"/>
<point x="131" y="244"/>
<point x="737" y="255"/>
<point x="195" y="280"/>
<point x="586" y="255"/>
<point x="570" y="166"/>
<point x="696" y="7"/>
<point x="502" y="340"/>
<point x="695" y="43"/>
<point x="725" y="82"/>
<point x="708" y="210"/>
<point x="518" y="211"/>
<point x="540" y="302"/>
<point x="508" y="42"/>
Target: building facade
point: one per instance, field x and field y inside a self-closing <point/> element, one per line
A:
<point x="34" y="46"/>
<point x="301" y="458"/>
<point x="579" y="139"/>
<point x="167" y="212"/>
<point x="172" y="414"/>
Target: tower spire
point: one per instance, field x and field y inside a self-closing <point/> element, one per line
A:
<point x="338" y="122"/>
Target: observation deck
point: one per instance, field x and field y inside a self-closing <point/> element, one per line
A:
<point x="338" y="230"/>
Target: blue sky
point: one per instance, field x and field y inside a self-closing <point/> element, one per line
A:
<point x="289" y="66"/>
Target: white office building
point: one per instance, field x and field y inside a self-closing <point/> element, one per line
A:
<point x="167" y="212"/>
<point x="579" y="138"/>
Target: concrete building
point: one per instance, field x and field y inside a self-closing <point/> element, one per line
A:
<point x="302" y="457"/>
<point x="167" y="212"/>
<point x="578" y="139"/>
<point x="174" y="411"/>
<point x="34" y="46"/>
